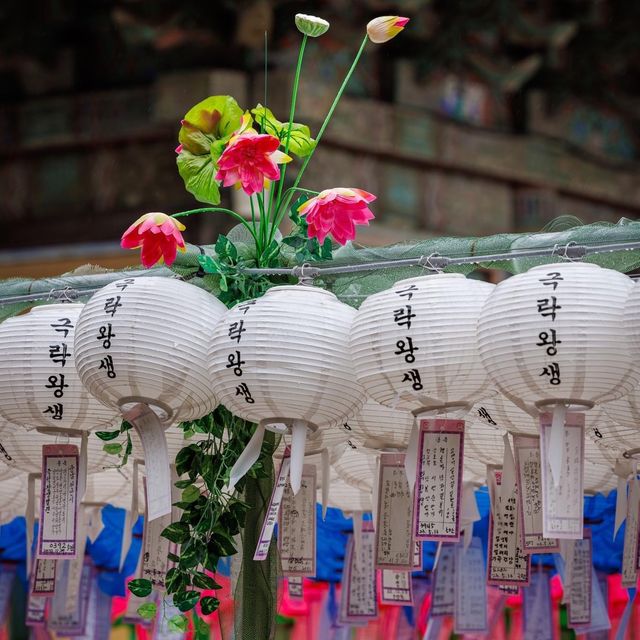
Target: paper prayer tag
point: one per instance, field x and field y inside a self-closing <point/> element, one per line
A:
<point x="359" y="601"/>
<point x="44" y="577"/>
<point x="36" y="610"/>
<point x="507" y="563"/>
<point x="443" y="588"/>
<point x="155" y="549"/>
<point x="156" y="459"/>
<point x="273" y="510"/>
<point x="57" y="534"/>
<point x="528" y="479"/>
<point x="630" y="546"/>
<point x="395" y="587"/>
<point x="295" y="587"/>
<point x="417" y="555"/>
<point x="297" y="526"/>
<point x="438" y="480"/>
<point x="470" y="605"/>
<point x="537" y="608"/>
<point x="394" y="549"/>
<point x="580" y="587"/>
<point x="70" y="623"/>
<point x="600" y="622"/>
<point x="7" y="575"/>
<point x="562" y="506"/>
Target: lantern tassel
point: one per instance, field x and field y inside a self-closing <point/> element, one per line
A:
<point x="30" y="517"/>
<point x="298" y="442"/>
<point x="374" y="495"/>
<point x="623" y="469"/>
<point x="326" y="481"/>
<point x="508" y="482"/>
<point x="247" y="458"/>
<point x="82" y="467"/>
<point x="555" y="450"/>
<point x="468" y="512"/>
<point x="411" y="456"/>
<point x="130" y="518"/>
<point x="357" y="532"/>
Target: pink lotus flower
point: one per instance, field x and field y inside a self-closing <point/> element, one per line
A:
<point x="249" y="160"/>
<point x="337" y="212"/>
<point x="159" y="236"/>
<point x="384" y="28"/>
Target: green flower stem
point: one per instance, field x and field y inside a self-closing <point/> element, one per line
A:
<point x="253" y="224"/>
<point x="328" y="117"/>
<point x="294" y="97"/>
<point x="262" y="230"/>
<point x="233" y="214"/>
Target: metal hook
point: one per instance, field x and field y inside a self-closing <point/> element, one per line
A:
<point x="433" y="262"/>
<point x="571" y="252"/>
<point x="63" y="295"/>
<point x="305" y="274"/>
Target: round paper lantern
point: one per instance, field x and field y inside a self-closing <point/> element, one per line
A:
<point x="379" y="428"/>
<point x="39" y="385"/>
<point x="347" y="498"/>
<point x="618" y="427"/>
<point x="556" y="334"/>
<point x="414" y="346"/>
<point x="113" y="486"/>
<point x="282" y="361"/>
<point x="22" y="449"/>
<point x="147" y="341"/>
<point x="13" y="497"/>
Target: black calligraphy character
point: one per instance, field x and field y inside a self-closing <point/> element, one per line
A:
<point x="58" y="385"/>
<point x="59" y="353"/>
<point x="548" y="307"/>
<point x="56" y="410"/>
<point x="406" y="292"/>
<point x="553" y="371"/>
<point x="549" y="340"/>
<point x="107" y="365"/>
<point x="483" y="413"/>
<point x="125" y="283"/>
<point x="111" y="305"/>
<point x="105" y="334"/>
<point x="406" y="349"/>
<point x="413" y="376"/>
<point x="63" y="326"/>
<point x="236" y="330"/>
<point x="245" y="306"/>
<point x="551" y="279"/>
<point x="243" y="390"/>
<point x="402" y="317"/>
<point x="235" y="363"/>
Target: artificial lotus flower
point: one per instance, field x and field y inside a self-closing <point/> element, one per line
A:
<point x="158" y="234"/>
<point x="337" y="211"/>
<point x="384" y="28"/>
<point x="311" y="26"/>
<point x="250" y="160"/>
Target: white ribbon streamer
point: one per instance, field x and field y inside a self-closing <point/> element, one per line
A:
<point x="298" y="442"/>
<point x="469" y="512"/>
<point x="357" y="532"/>
<point x="131" y="515"/>
<point x="326" y="481"/>
<point x="623" y="469"/>
<point x="411" y="457"/>
<point x="555" y="451"/>
<point x="247" y="458"/>
<point x="82" y="467"/>
<point x="508" y="481"/>
<point x="30" y="515"/>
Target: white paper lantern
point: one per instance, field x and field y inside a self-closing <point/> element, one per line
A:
<point x="113" y="486"/>
<point x="13" y="497"/>
<point x="556" y="334"/>
<point x="347" y="498"/>
<point x="22" y="449"/>
<point x="39" y="385"/>
<point x="357" y="468"/>
<point x="414" y="346"/>
<point x="147" y="340"/>
<point x="282" y="361"/>
<point x="380" y="428"/>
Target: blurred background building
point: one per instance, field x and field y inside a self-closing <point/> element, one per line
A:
<point x="484" y="116"/>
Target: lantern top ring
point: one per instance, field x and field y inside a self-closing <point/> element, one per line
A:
<point x="573" y="404"/>
<point x="284" y="425"/>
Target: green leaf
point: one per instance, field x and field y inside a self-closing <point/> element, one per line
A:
<point x="148" y="610"/>
<point x="112" y="449"/>
<point x="203" y="581"/>
<point x="295" y="217"/>
<point x="107" y="435"/>
<point x="190" y="494"/>
<point x="198" y="173"/>
<point x="300" y="141"/>
<point x="176" y="580"/>
<point x="182" y="484"/>
<point x="294" y="241"/>
<point x="141" y="588"/>
<point x="216" y="116"/>
<point x="177" y="532"/>
<point x="185" y="458"/>
<point x="178" y="623"/>
<point x="225" y="248"/>
<point x="186" y="600"/>
<point x="208" y="605"/>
